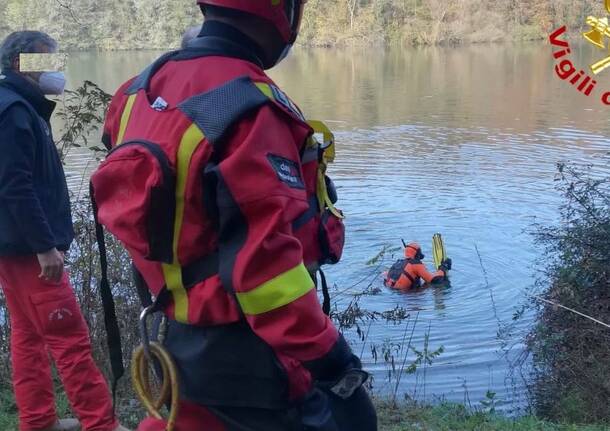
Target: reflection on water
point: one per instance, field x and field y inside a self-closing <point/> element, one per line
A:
<point x="462" y="141"/>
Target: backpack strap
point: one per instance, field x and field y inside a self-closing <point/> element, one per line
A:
<point x="143" y="79"/>
<point x="115" y="349"/>
<point x="325" y="293"/>
<point x="199" y="47"/>
<point x="409" y="276"/>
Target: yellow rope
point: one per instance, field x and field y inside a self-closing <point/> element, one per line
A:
<point x="169" y="388"/>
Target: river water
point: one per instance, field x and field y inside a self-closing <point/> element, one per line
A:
<point x="462" y="141"/>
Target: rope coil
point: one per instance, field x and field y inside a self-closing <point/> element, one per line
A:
<point x="169" y="391"/>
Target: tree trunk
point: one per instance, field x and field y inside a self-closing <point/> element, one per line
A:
<point x="351" y="5"/>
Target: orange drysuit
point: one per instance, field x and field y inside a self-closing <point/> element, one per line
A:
<point x="408" y="273"/>
<point x="415" y="271"/>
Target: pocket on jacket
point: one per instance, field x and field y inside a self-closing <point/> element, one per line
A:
<point x="57" y="312"/>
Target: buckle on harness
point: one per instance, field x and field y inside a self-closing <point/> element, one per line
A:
<point x="144" y="357"/>
<point x="348" y="384"/>
<point x="146" y="312"/>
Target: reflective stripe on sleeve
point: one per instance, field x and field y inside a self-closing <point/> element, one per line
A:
<point x="277" y="292"/>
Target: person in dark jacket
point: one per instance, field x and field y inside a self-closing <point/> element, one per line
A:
<point x="35" y="232"/>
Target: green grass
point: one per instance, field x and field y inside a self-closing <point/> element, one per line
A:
<point x="447" y="417"/>
<point x="451" y="417"/>
<point x="8" y="409"/>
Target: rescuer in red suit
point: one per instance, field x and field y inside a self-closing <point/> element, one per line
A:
<point x="230" y="265"/>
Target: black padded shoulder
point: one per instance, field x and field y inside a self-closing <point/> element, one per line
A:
<point x="215" y="111"/>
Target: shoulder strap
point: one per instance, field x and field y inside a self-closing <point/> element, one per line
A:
<point x="215" y="111"/>
<point x="409" y="276"/>
<point x="113" y="332"/>
<point x="143" y="80"/>
<point x="325" y="293"/>
<point x="197" y="48"/>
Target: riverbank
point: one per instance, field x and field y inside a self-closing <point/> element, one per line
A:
<point x="455" y="417"/>
<point x="449" y="417"/>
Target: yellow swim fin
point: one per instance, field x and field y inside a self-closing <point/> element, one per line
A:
<point x="438" y="250"/>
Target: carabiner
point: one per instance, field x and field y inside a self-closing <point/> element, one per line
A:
<point x="144" y="332"/>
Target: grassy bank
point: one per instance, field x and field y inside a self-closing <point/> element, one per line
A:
<point x="451" y="417"/>
<point x="571" y="354"/>
<point x="440" y="418"/>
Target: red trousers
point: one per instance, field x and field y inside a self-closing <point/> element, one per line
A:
<point x="46" y="319"/>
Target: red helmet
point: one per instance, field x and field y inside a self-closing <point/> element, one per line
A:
<point x="413" y="251"/>
<point x="284" y="14"/>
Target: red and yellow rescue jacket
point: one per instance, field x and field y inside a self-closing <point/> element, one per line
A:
<point x="216" y="187"/>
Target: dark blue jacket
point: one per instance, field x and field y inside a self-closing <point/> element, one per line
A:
<point x="34" y="202"/>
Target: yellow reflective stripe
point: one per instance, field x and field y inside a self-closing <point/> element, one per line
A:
<point x="125" y="118"/>
<point x="280" y="291"/>
<point x="265" y="89"/>
<point x="173" y="273"/>
<point x="173" y="281"/>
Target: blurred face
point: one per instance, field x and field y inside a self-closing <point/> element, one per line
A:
<point x="42" y="70"/>
<point x="33" y="76"/>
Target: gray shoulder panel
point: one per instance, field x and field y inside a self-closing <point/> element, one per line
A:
<point x="215" y="111"/>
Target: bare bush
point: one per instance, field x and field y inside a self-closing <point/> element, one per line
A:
<point x="572" y="354"/>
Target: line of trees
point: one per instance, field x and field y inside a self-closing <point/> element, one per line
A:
<point x="428" y="22"/>
<point x="140" y="24"/>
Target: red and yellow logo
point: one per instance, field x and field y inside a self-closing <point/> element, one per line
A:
<point x="597" y="36"/>
<point x="565" y="69"/>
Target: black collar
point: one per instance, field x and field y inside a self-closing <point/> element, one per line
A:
<point x="216" y="39"/>
<point x="236" y="44"/>
<point x="29" y="92"/>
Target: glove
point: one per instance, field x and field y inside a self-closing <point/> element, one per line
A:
<point x="316" y="412"/>
<point x="339" y="371"/>
<point x="446" y="265"/>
